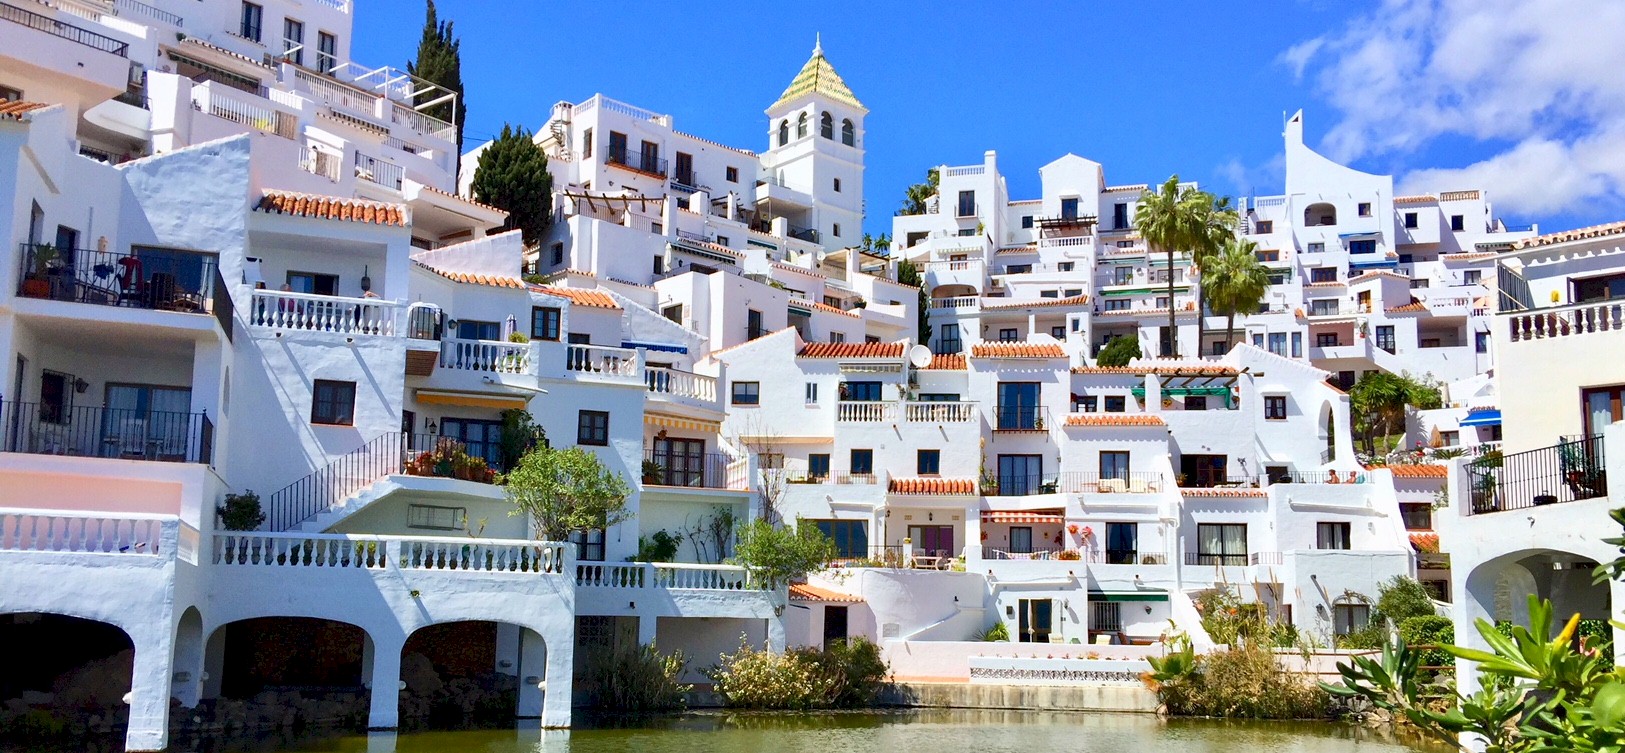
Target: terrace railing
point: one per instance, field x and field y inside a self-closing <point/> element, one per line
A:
<point x="97" y="432"/>
<point x="322" y="313"/>
<point x="145" y="279"/>
<point x="1569" y="471"/>
<point x="49" y="25"/>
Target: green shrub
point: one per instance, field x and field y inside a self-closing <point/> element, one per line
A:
<point x="661" y="546"/>
<point x="846" y="675"/>
<point x="859" y="670"/>
<point x="241" y="512"/>
<point x="35" y="725"/>
<point x="1430" y="630"/>
<point x="996" y="634"/>
<point x="641" y="679"/>
<point x="1245" y="681"/>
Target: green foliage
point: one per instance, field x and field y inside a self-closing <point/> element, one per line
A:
<point x="1244" y="681"/>
<point x="775" y="556"/>
<point x="1229" y="621"/>
<point x="566" y="490"/>
<point x="846" y="675"/>
<point x="1429" y="630"/>
<point x="1234" y="282"/>
<point x="1379" y="399"/>
<point x="520" y="434"/>
<point x="512" y="175"/>
<point x="440" y="61"/>
<point x="1182" y="219"/>
<point x="241" y="512"/>
<point x="1119" y="351"/>
<point x="641" y="679"/>
<point x="661" y="546"/>
<point x="916" y="196"/>
<point x="1401" y="598"/>
<point x="909" y="274"/>
<point x="999" y="633"/>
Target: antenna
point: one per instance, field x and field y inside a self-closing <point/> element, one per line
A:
<point x="919" y="356"/>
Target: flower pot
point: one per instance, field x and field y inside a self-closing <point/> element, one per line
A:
<point x="37" y="287"/>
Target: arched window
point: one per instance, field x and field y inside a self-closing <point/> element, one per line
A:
<point x="1320" y="214"/>
<point x="1331" y="437"/>
<point x="849" y="135"/>
<point x="801" y="126"/>
<point x="826" y="126"/>
<point x="784" y="132"/>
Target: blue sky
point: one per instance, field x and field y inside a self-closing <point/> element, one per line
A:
<point x="1522" y="97"/>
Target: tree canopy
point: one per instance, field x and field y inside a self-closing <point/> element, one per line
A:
<point x="1119" y="352"/>
<point x="775" y="556"/>
<point x="916" y="196"/>
<point x="909" y="274"/>
<point x="1379" y="400"/>
<point x="440" y="61"/>
<point x="512" y="175"/>
<point x="1234" y="282"/>
<point x="567" y="490"/>
<point x="1174" y="219"/>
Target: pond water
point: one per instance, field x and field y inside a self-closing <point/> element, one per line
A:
<point x="915" y="731"/>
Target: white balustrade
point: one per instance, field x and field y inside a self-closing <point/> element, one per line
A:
<point x="954" y="172"/>
<point x="1077" y="240"/>
<point x="948" y="266"/>
<point x="1568" y="321"/>
<point x="865" y="411"/>
<point x="957" y="302"/>
<point x="604" y="575"/>
<point x="339" y="96"/>
<point x="322" y="313"/>
<point x="737" y="475"/>
<point x="939" y="412"/>
<point x="422" y="123"/>
<point x="382" y="172"/>
<point x="480" y="555"/>
<point x="256" y="549"/>
<point x="664" y="381"/>
<point x="603" y="360"/>
<point x="713" y="577"/>
<point x="23" y="530"/>
<point x="213" y="99"/>
<point x="485" y="355"/>
<point x="370" y="552"/>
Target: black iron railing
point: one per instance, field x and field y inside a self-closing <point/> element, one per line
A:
<point x="1111" y="482"/>
<point x="384" y="455"/>
<point x="1022" y="484"/>
<point x="1226" y="560"/>
<point x="67" y="31"/>
<point x="1021" y="418"/>
<point x="1122" y="557"/>
<point x="128" y="434"/>
<point x="1566" y="472"/>
<point x="147" y="279"/>
<point x="643" y="163"/>
<point x="674" y="467"/>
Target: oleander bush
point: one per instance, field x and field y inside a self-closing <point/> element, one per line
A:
<point x="1244" y="681"/>
<point x="640" y="679"/>
<point x="846" y="675"/>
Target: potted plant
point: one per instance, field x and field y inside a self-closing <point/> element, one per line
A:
<point x="652" y="472"/>
<point x="37" y="283"/>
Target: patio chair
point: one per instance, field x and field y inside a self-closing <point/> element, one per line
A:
<point x="1111" y="486"/>
<point x="130" y="440"/>
<point x="1139" y="486"/>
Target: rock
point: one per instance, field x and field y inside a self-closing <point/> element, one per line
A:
<point x="418" y="673"/>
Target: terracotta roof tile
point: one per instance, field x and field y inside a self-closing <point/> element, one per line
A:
<point x="1409" y="308"/>
<point x="704" y="140"/>
<point x="799" y="270"/>
<point x="1416" y="199"/>
<point x="1159" y="370"/>
<point x="1376" y="274"/>
<point x="1131" y="187"/>
<point x="1027" y="201"/>
<point x="824" y="307"/>
<point x="804" y="592"/>
<point x="1119" y="419"/>
<point x="597" y="299"/>
<point x="1160" y="311"/>
<point x="1016" y="350"/>
<point x="1077" y="300"/>
<point x="333" y="208"/>
<point x="572" y="271"/>
<point x="931" y="486"/>
<point x="1419" y="471"/>
<point x="463" y="277"/>
<point x="947" y="362"/>
<point x="851" y="350"/>
<point x="1337" y="284"/>
<point x="709" y="246"/>
<point x="1224" y="492"/>
<point x="1031" y="248"/>
<point x="16" y="110"/>
<point x="1468" y="256"/>
<point x="1577" y="234"/>
<point x="1427" y="543"/>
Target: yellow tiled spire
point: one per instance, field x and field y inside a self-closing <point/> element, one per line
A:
<point x="819" y="77"/>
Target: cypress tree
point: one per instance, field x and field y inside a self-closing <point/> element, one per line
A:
<point x="440" y="62"/>
<point x="512" y="175"/>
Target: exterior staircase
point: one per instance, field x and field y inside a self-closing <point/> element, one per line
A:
<point x="339" y="489"/>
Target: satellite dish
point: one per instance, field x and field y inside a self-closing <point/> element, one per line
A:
<point x="821" y="256"/>
<point x="919" y="356"/>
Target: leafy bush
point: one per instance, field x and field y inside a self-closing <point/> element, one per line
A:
<point x="1119" y="352"/>
<point x="996" y="634"/>
<point x="1430" y="630"/>
<point x="661" y="546"/>
<point x="1399" y="598"/>
<point x="846" y="675"/>
<point x="450" y="459"/>
<point x="639" y="679"/>
<point x="1244" y="681"/>
<point x="241" y="512"/>
<point x="1228" y="620"/>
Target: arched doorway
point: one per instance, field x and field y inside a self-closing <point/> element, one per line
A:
<point x="65" y="673"/>
<point x="316" y="668"/>
<point x="471" y="673"/>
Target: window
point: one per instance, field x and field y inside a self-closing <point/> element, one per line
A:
<point x="1264" y="227"/>
<point x="1065" y="266"/>
<point x="471" y="329"/>
<point x="1278" y="343"/>
<point x="753" y="324"/>
<point x="1363" y="247"/>
<point x="673" y="312"/>
<point x="1297" y="345"/>
<point x="1350" y="618"/>
<point x="1221" y="544"/>
<point x="253" y="16"/>
<point x="850" y="536"/>
<point x="837" y="185"/>
<point x="8" y="94"/>
<point x="1017" y="269"/>
<point x="928" y="462"/>
<point x="332" y="403"/>
<point x="1269" y="255"/>
<point x="1058" y="332"/>
<point x="293" y="41"/>
<point x="1471" y="277"/>
<point x="592" y="427"/>
<point x="826" y="126"/>
<point x="835" y="229"/>
<point x="54" y="397"/>
<point x="1116" y="403"/>
<point x="731" y="174"/>
<point x="968" y="232"/>
<point x="1122" y="543"/>
<point x="1410" y="220"/>
<point x="1118" y="304"/>
<point x="1069" y="208"/>
<point x="1481" y="342"/>
<point x="1458" y="223"/>
<point x="1326" y="340"/>
<point x="1087" y="403"/>
<point x="1008" y="334"/>
<point x="967" y="204"/>
<point x="544" y="323"/>
<point x="589" y="544"/>
<point x="1331" y="535"/>
<point x="723" y="240"/>
<point x="1114" y="464"/>
<point x="1049" y="294"/>
<point x="1275" y="407"/>
<point x="586" y="143"/>
<point x="1195" y="402"/>
<point x="812" y="393"/>
<point x="1323" y="274"/>
<point x="860" y="391"/>
<point x="818" y="465"/>
<point x="849" y="134"/>
<point x="1364" y="209"/>
<point x="1385" y="337"/>
<point x="312" y="283"/>
<point x="1026" y="222"/>
<point x="801" y="126"/>
<point x="746" y="393"/>
<point x="1120" y="216"/>
<point x="435" y="517"/>
<point x="1122" y="275"/>
<point x="1071" y="292"/>
<point x="684" y="172"/>
<point x="327" y="52"/>
<point x="1317" y="247"/>
<point x="863" y="462"/>
<point x="784" y="132"/>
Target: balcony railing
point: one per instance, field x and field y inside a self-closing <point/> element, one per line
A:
<point x="640" y="575"/>
<point x="1118" y="482"/>
<point x="49" y="25"/>
<point x="150" y="279"/>
<point x="865" y="411"/>
<point x="1583" y="319"/>
<point x="1021" y="484"/>
<point x="643" y="163"/>
<point x="684" y="384"/>
<point x="603" y="361"/>
<point x="1222" y="560"/>
<point x="485" y="355"/>
<point x="96" y="432"/>
<point x="138" y="8"/>
<point x="374" y="170"/>
<point x="956" y="302"/>
<point x="939" y="412"/>
<point x="229" y="103"/>
<point x="700" y="470"/>
<point x="309" y="312"/>
<point x="1567" y="472"/>
<point x="31" y="530"/>
<point x="1021" y="418"/>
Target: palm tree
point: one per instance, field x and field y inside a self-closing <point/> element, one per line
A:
<point x="1219" y="229"/>
<point x="1235" y="282"/>
<point x="917" y="195"/>
<point x="1172" y="218"/>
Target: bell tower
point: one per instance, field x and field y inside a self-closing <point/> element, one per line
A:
<point x="815" y="156"/>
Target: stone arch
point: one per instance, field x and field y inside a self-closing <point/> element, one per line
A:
<point x="784" y="131"/>
<point x="473" y="656"/>
<point x="801" y="126"/>
<point x="262" y="652"/>
<point x="1499" y="587"/>
<point x="826" y="125"/>
<point x="189" y="657"/>
<point x="849" y="134"/>
<point x="75" y="666"/>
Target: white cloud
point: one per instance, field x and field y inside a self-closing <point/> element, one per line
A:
<point x="1246" y="179"/>
<point x="1542" y="75"/>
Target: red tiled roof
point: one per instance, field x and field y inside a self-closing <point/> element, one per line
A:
<point x="1337" y="284"/>
<point x="1577" y="234"/>
<point x="332" y="208"/>
<point x="1412" y="307"/>
<point x="1022" y="516"/>
<point x="597" y="299"/>
<point x="804" y="592"/>
<point x="798" y="270"/>
<point x="572" y="271"/>
<point x="1016" y="350"/>
<point x="851" y="350"/>
<point x="824" y="307"/>
<point x="1419" y="471"/>
<point x="463" y="277"/>
<point x="1123" y="419"/>
<point x="1159" y="370"/>
<point x="1028" y="249"/>
<point x="1077" y="300"/>
<point x="1425" y="542"/>
<point x="709" y="246"/>
<point x="702" y="139"/>
<point x="932" y="486"/>
<point x="1468" y="256"/>
<point x="948" y="362"/>
<point x="1376" y="274"/>
<point x="1159" y="311"/>
<point x="16" y="110"/>
<point x="1132" y="187"/>
<point x="1223" y="492"/>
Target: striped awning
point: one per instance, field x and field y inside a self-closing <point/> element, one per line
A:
<point x="1023" y="517"/>
<point x="687" y="424"/>
<point x="473" y="399"/>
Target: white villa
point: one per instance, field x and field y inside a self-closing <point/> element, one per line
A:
<point x="243" y="262"/>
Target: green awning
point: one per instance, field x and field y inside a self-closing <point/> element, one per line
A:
<point x="1128" y="595"/>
